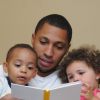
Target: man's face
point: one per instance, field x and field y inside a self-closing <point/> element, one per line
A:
<point x="51" y="44"/>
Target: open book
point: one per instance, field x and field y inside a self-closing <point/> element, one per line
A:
<point x="68" y="91"/>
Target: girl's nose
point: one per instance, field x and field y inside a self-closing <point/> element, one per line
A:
<point x="76" y="78"/>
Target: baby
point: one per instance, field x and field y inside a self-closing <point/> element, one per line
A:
<point x="20" y="64"/>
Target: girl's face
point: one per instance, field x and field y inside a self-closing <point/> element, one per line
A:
<point x="80" y="71"/>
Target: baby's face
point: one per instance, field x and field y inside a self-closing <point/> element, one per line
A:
<point x="21" y="66"/>
<point x="80" y="71"/>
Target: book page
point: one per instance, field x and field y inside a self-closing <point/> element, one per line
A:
<point x="26" y="92"/>
<point x="68" y="91"/>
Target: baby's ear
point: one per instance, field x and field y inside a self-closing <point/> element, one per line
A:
<point x="5" y="67"/>
<point x="35" y="72"/>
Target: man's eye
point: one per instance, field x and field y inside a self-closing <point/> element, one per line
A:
<point x="43" y="41"/>
<point x="60" y="47"/>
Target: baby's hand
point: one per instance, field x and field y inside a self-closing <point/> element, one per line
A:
<point x="9" y="97"/>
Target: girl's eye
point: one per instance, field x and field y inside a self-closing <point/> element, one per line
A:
<point x="70" y="77"/>
<point x="81" y="73"/>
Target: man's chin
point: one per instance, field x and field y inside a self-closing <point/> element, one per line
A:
<point x="45" y="70"/>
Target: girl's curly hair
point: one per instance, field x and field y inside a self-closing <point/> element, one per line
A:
<point x="88" y="54"/>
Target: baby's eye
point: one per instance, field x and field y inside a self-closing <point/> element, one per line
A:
<point x="30" y="66"/>
<point x="17" y="65"/>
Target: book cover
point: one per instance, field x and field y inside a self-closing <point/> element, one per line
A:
<point x="68" y="91"/>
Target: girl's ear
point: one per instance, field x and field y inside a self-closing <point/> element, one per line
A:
<point x="5" y="67"/>
<point x="98" y="77"/>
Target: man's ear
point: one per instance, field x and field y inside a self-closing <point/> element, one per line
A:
<point x="33" y="38"/>
<point x="67" y="49"/>
<point x="5" y="67"/>
<point x="69" y="46"/>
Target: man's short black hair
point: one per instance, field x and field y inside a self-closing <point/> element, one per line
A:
<point x="58" y="21"/>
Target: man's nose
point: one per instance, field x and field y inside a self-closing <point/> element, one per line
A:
<point x="49" y="51"/>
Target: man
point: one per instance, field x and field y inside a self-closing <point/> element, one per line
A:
<point x="51" y="41"/>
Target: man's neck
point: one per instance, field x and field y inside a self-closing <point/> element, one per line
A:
<point x="44" y="74"/>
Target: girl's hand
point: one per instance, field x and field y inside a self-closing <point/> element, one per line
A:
<point x="96" y="94"/>
<point x="89" y="94"/>
<point x="86" y="92"/>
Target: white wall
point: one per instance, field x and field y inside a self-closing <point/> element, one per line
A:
<point x="19" y="17"/>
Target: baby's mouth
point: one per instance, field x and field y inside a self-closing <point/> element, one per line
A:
<point x="21" y="78"/>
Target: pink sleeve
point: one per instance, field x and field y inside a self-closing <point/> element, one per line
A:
<point x="82" y="98"/>
<point x="96" y="91"/>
